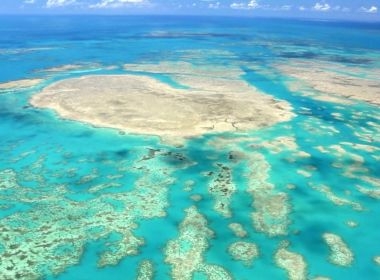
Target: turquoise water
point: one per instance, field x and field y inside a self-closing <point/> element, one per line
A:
<point x="70" y="193"/>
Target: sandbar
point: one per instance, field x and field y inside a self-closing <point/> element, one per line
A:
<point x="141" y="104"/>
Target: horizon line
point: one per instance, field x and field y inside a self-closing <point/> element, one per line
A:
<point x="245" y="16"/>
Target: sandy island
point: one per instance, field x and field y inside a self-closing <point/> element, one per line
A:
<point x="144" y="105"/>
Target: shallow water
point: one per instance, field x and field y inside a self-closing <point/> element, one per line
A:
<point x="70" y="193"/>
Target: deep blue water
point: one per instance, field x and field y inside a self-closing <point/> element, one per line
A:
<point x="61" y="168"/>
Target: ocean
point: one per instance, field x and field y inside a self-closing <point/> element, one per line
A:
<point x="296" y="200"/>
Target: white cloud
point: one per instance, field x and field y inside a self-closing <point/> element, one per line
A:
<point x="341" y="9"/>
<point x="371" y="10"/>
<point x="214" y="5"/>
<point x="29" y="1"/>
<point x="253" y="4"/>
<point x="58" y="3"/>
<point x="286" y="8"/>
<point x="323" y="7"/>
<point x="336" y="8"/>
<point x="301" y="8"/>
<point x="118" y="3"/>
<point x="238" y="6"/>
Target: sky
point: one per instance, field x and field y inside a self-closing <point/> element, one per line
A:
<point x="367" y="10"/>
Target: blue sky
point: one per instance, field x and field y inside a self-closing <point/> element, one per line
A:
<point x="345" y="9"/>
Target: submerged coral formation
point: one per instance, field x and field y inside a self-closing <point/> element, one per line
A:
<point x="271" y="206"/>
<point x="293" y="263"/>
<point x="38" y="241"/>
<point x="214" y="272"/>
<point x="340" y="253"/>
<point x="238" y="229"/>
<point x="271" y="214"/>
<point x="352" y="224"/>
<point x="185" y="254"/>
<point x="377" y="260"/>
<point x="222" y="189"/>
<point x="243" y="251"/>
<point x="336" y="199"/>
<point x="374" y="193"/>
<point x="145" y="270"/>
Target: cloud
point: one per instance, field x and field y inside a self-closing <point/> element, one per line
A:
<point x="253" y="4"/>
<point x="59" y="3"/>
<point x="214" y="5"/>
<point x="336" y="8"/>
<point x="322" y="7"/>
<point x="371" y="10"/>
<point x="285" y="7"/>
<point x="341" y="9"/>
<point x="118" y="3"/>
<point x="29" y="1"/>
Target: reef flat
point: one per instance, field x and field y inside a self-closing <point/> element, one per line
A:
<point x="71" y="67"/>
<point x="333" y="81"/>
<point x="19" y="84"/>
<point x="214" y="100"/>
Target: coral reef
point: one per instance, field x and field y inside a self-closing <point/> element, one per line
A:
<point x="271" y="207"/>
<point x="340" y="253"/>
<point x="185" y="253"/>
<point x="51" y="233"/>
<point x="238" y="229"/>
<point x="332" y="81"/>
<point x="145" y="270"/>
<point x="293" y="263"/>
<point x="19" y="84"/>
<point x="245" y="252"/>
<point x="222" y="189"/>
<point x="336" y="199"/>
